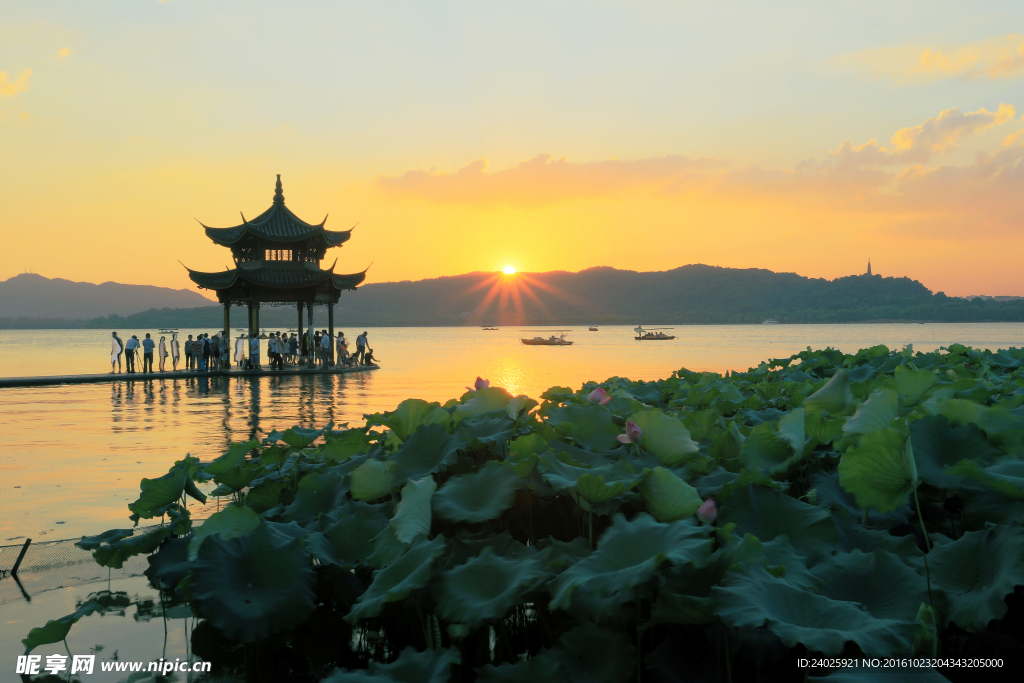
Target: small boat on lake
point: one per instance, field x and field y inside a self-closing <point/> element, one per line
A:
<point x="169" y="330"/>
<point x="592" y="328"/>
<point x="560" y="340"/>
<point x="770" y="322"/>
<point x="489" y="328"/>
<point x="653" y="334"/>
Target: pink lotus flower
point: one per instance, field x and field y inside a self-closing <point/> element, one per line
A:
<point x="633" y="433"/>
<point x="599" y="396"/>
<point x="480" y="384"/>
<point x="708" y="512"/>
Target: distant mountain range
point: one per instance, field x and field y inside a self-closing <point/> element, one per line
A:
<point x="33" y="296"/>
<point x="691" y="294"/>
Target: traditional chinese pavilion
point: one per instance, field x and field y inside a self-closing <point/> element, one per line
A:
<point x="277" y="261"/>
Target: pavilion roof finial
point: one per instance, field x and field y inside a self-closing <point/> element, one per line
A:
<point x="278" y="193"/>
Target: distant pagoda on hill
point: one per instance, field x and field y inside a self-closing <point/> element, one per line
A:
<point x="277" y="261"/>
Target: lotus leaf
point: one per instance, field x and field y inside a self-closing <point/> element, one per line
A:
<point x="412" y="516"/>
<point x="386" y="549"/>
<point x="520" y="405"/>
<point x="265" y="495"/>
<point x="541" y="668"/>
<point x="408" y="416"/>
<point x="977" y="571"/>
<point x="590" y="426"/>
<point x="430" y="666"/>
<point x="57" y="630"/>
<point x="234" y="456"/>
<point x="700" y="423"/>
<point x="93" y="542"/>
<point x="159" y="494"/>
<point x="411" y="571"/>
<point x="834" y="397"/>
<point x="775" y="448"/>
<point x="169" y="565"/>
<point x="477" y="497"/>
<point x="914" y="383"/>
<point x="668" y="498"/>
<point x="764" y="513"/>
<point x="431" y="449"/>
<point x="114" y="554"/>
<point x="486" y="587"/>
<point x="594" y="654"/>
<point x="237" y="477"/>
<point x="349" y="540"/>
<point x="1005" y="477"/>
<point x="854" y="536"/>
<point x="880" y="471"/>
<point x="231" y="522"/>
<point x="888" y="675"/>
<point x="822" y="429"/>
<point x="317" y="493"/>
<point x="351" y="442"/>
<point x="880" y="581"/>
<point x="628" y="554"/>
<point x="666" y="437"/>
<point x="373" y="479"/>
<point x="751" y="598"/>
<point x="727" y="445"/>
<point x="876" y="413"/>
<point x="494" y="428"/>
<point x="482" y="401"/>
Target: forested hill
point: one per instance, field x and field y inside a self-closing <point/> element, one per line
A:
<point x="690" y="294"/>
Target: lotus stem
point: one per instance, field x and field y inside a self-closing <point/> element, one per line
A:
<point x="591" y="523"/>
<point x="927" y="544"/>
<point x="728" y="657"/>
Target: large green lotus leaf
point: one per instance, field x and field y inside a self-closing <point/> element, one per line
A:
<point x="834" y="397"/>
<point x="830" y="493"/>
<point x="752" y="598"/>
<point x="169" y="565"/>
<point x="628" y="554"/>
<point x="114" y="554"/>
<point x="590" y="426"/>
<point x="876" y="413"/>
<point x="607" y="482"/>
<point x="253" y="586"/>
<point x="494" y="428"/>
<point x="880" y="581"/>
<point x="594" y="654"/>
<point x="766" y="513"/>
<point x="467" y="545"/>
<point x="349" y="540"/>
<point x="408" y="416"/>
<point x="351" y="442"/>
<point x="237" y="477"/>
<point x="372" y="480"/>
<point x="479" y="496"/>
<point x="57" y="630"/>
<point x="880" y="471"/>
<point x="520" y="405"/>
<point x="914" y="383"/>
<point x="976" y="572"/>
<point x="775" y="447"/>
<point x="387" y="549"/>
<point x="823" y="429"/>
<point x="887" y="675"/>
<point x="854" y="536"/>
<point x="938" y="445"/>
<point x="412" y="516"/>
<point x="666" y="437"/>
<point x="1000" y="425"/>
<point x="159" y="494"/>
<point x="486" y="587"/>
<point x="231" y="522"/>
<point x="782" y="560"/>
<point x="727" y="446"/>
<point x="541" y="668"/>
<point x="668" y="498"/>
<point x="429" y="666"/>
<point x="265" y="495"/>
<point x="411" y="571"/>
<point x="483" y="401"/>
<point x="93" y="542"/>
<point x="1005" y="477"/>
<point x="530" y="444"/>
<point x="300" y="437"/>
<point x="317" y="493"/>
<point x="700" y="423"/>
<point x="431" y="449"/>
<point x="235" y="456"/>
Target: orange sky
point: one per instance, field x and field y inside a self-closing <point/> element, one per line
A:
<point x="549" y="136"/>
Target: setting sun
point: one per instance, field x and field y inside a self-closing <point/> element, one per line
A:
<point x="509" y="270"/>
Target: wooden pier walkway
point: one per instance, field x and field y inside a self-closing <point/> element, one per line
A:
<point x="57" y="380"/>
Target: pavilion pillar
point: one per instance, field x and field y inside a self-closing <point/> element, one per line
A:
<point x="227" y="320"/>
<point x="298" y="346"/>
<point x="251" y="321"/>
<point x="310" y="351"/>
<point x="330" y="331"/>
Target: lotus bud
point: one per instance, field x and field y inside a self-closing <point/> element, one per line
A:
<point x="633" y="433"/>
<point x="480" y="384"/>
<point x="708" y="512"/>
<point x="599" y="396"/>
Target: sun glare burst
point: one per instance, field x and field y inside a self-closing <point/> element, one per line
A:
<point x="509" y="270"/>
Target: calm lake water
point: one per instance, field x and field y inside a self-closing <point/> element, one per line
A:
<point x="76" y="453"/>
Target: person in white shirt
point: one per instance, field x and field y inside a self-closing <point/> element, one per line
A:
<point x="361" y="342"/>
<point x="175" y="351"/>
<point x="325" y="345"/>
<point x="116" y="349"/>
<point x="240" y="351"/>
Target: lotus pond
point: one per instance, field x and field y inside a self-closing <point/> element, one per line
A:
<point x="701" y="527"/>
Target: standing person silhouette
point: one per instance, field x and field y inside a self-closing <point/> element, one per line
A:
<point x="175" y="351"/>
<point x="361" y="343"/>
<point x="131" y="350"/>
<point x="254" y="352"/>
<point x="189" y="358"/>
<point x="116" y="349"/>
<point x="240" y="351"/>
<point x="162" y="352"/>
<point x="147" y="353"/>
